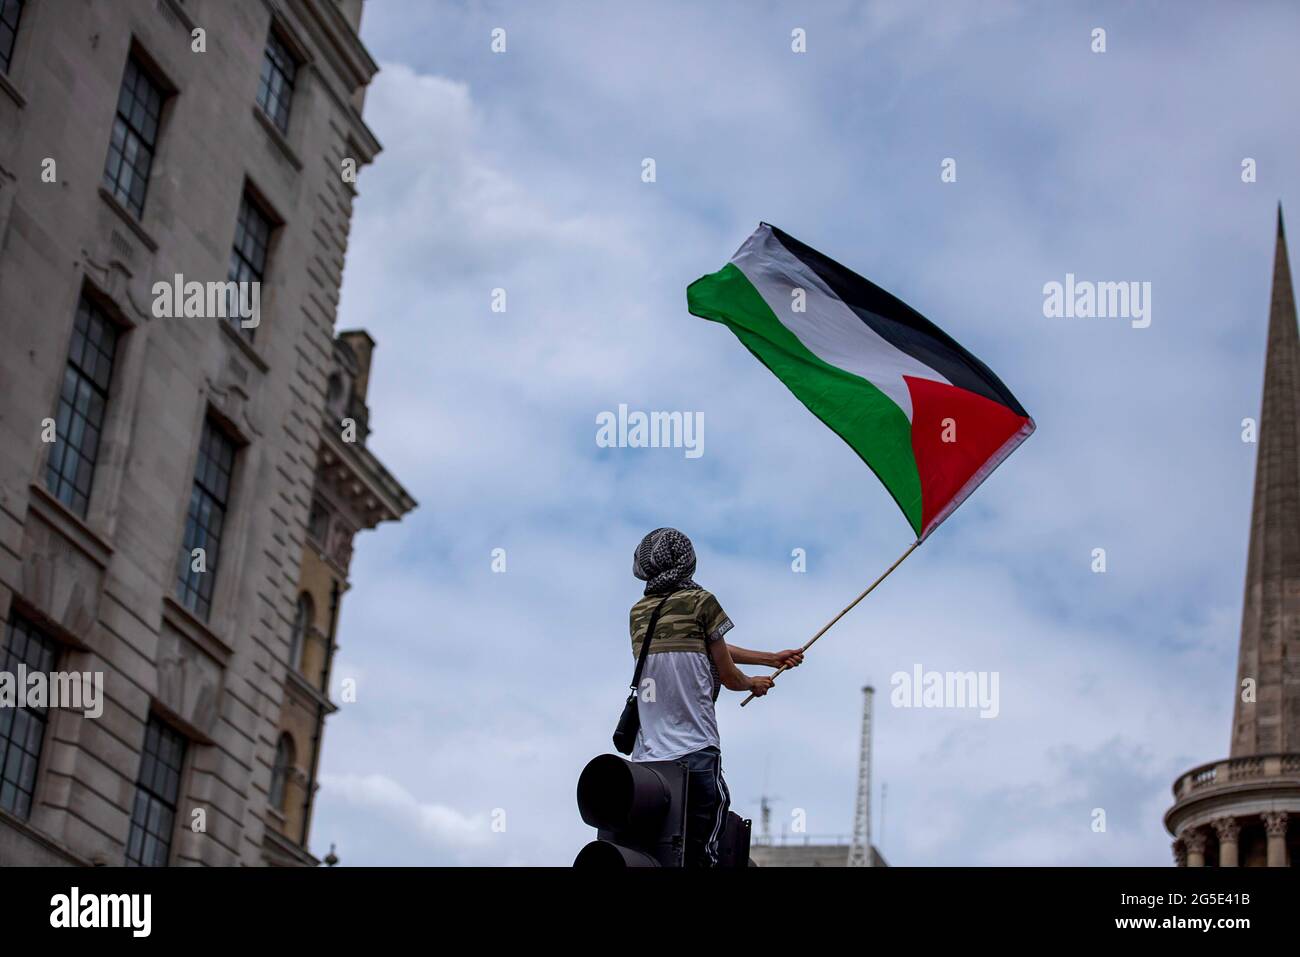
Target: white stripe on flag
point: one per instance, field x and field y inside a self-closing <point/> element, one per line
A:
<point x="829" y="329"/>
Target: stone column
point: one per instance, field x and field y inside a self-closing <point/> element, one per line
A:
<point x="1180" y="853"/>
<point x="1228" y="830"/>
<point x="1275" y="827"/>
<point x="1195" y="840"/>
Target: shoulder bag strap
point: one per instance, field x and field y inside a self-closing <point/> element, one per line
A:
<point x="645" y="642"/>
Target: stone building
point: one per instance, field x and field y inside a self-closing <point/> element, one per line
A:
<point x="1245" y="810"/>
<point x="353" y="491"/>
<point x="178" y="490"/>
<point x="810" y="851"/>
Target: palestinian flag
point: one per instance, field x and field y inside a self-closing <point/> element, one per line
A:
<point x="931" y="420"/>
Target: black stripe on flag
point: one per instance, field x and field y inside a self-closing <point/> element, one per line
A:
<point x="902" y="326"/>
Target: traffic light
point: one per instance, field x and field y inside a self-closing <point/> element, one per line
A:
<point x="733" y="842"/>
<point x="638" y="809"/>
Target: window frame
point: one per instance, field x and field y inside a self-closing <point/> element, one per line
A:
<point x="278" y="48"/>
<point x="241" y="267"/>
<point x="7" y="56"/>
<point x="217" y="496"/>
<point x="281" y="769"/>
<point x="160" y="732"/>
<point x="56" y="474"/>
<point x="319" y="508"/>
<point x="146" y="71"/>
<point x="303" y="613"/>
<point x="24" y="794"/>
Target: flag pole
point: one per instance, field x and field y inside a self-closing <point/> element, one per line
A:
<point x="847" y="608"/>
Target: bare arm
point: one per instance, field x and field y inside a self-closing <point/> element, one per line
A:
<point x="791" y="658"/>
<point x="732" y="677"/>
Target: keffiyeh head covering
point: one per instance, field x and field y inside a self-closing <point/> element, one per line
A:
<point x="665" y="561"/>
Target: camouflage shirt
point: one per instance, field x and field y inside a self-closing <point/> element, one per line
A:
<point x="676" y="707"/>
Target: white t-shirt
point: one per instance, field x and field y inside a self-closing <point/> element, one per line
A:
<point x="681" y="718"/>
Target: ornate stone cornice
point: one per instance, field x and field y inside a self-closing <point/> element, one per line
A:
<point x="229" y="393"/>
<point x="115" y="280"/>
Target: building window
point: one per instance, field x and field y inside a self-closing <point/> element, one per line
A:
<point x="318" y="523"/>
<point x="335" y="396"/>
<point x="82" y="400"/>
<point x="279" y="67"/>
<point x="135" y="135"/>
<point x="22" y="730"/>
<point x="205" y="520"/>
<point x="10" y="12"/>
<point x="284" y="758"/>
<point x="156" y="793"/>
<point x="301" y="622"/>
<point x="247" y="256"/>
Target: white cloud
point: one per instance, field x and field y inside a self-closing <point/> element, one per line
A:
<point x="436" y="823"/>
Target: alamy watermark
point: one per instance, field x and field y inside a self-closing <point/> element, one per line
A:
<point x="133" y="912"/>
<point x="178" y="299"/>
<point x="946" y="689"/>
<point x="651" y="430"/>
<point x="73" y="690"/>
<point x="1084" y="299"/>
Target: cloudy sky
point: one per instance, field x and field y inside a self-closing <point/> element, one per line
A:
<point x="481" y="693"/>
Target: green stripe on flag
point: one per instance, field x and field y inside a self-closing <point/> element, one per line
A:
<point x="858" y="412"/>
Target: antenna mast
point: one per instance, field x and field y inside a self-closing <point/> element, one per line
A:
<point x="860" y="854"/>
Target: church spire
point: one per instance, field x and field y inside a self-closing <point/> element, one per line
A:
<point x="1270" y="626"/>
